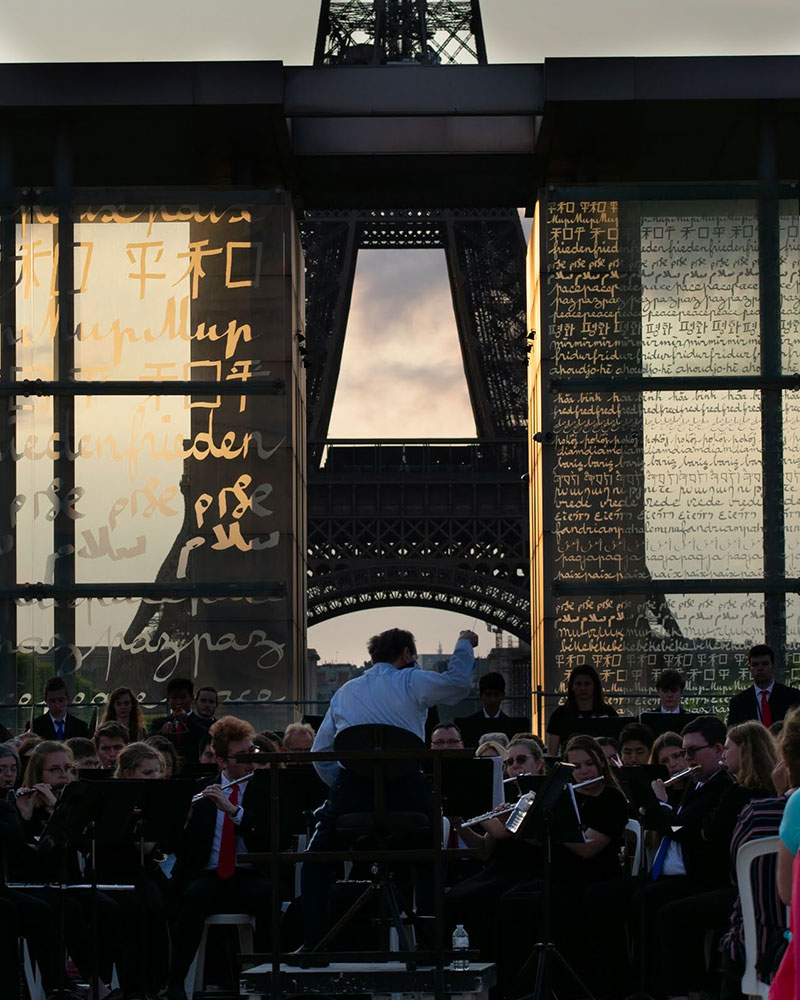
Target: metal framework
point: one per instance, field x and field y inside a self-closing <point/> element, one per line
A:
<point x="380" y="32"/>
<point x="391" y="551"/>
<point x="437" y="523"/>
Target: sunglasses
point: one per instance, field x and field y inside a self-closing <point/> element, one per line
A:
<point x="520" y="759"/>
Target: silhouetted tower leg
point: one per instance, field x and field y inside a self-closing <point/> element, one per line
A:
<point x="377" y="32"/>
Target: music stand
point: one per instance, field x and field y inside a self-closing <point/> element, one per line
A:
<point x="112" y="813"/>
<point x="553" y="817"/>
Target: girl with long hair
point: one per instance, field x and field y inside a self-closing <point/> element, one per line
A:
<point x="584" y="700"/>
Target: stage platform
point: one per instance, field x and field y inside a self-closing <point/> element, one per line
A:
<point x="379" y="979"/>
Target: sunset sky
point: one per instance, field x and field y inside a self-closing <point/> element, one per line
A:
<point x="401" y="320"/>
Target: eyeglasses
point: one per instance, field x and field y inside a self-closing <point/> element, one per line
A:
<point x="446" y="743"/>
<point x="8" y="768"/>
<point x="58" y="770"/>
<point x="235" y="756"/>
<point x="691" y="751"/>
<point x="520" y="759"/>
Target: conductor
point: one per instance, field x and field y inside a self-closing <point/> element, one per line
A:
<point x="394" y="691"/>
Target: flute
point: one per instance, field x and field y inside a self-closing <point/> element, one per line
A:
<point x="589" y="781"/>
<point x="230" y="784"/>
<point x="682" y="774"/>
<point x="490" y="815"/>
<point x="528" y="774"/>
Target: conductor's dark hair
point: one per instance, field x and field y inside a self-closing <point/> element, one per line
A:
<point x="711" y="728"/>
<point x="389" y="645"/>
<point x="760" y="650"/>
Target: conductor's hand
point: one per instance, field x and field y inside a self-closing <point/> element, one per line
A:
<point x="220" y="799"/>
<point x="470" y="636"/>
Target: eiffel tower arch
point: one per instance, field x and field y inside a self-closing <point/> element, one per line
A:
<point x="426" y="522"/>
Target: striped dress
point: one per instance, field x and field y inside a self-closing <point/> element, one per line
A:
<point x="759" y="818"/>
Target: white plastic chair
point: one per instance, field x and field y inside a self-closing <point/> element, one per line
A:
<point x="246" y="925"/>
<point x="633" y="826"/>
<point x="751" y="985"/>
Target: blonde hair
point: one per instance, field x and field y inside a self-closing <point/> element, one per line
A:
<point x="758" y="755"/>
<point x="487" y="745"/>
<point x="134" y="754"/>
<point x="34" y="769"/>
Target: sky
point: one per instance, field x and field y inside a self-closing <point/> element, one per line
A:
<point x="401" y="318"/>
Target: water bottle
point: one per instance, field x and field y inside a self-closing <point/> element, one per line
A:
<point x="460" y="947"/>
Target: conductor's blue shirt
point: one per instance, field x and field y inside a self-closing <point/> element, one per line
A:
<point x="387" y="696"/>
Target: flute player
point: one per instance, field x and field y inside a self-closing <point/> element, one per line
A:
<point x="207" y="877"/>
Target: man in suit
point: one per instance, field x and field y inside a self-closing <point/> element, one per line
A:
<point x="686" y="863"/>
<point x="767" y="700"/>
<point x="492" y="690"/>
<point x="182" y="727"/>
<point x="57" y="723"/>
<point x="207" y="876"/>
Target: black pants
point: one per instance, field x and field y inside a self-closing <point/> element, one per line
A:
<point x="352" y="794"/>
<point x="244" y="892"/>
<point x="626" y="910"/>
<point x="680" y="933"/>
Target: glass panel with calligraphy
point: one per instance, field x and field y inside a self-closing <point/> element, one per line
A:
<point x="176" y="489"/>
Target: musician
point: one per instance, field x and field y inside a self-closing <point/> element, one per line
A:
<point x="446" y="736"/>
<point x="584" y="701"/>
<point x="687" y="862"/>
<point x="49" y="770"/>
<point x="207" y="877"/>
<point x="167" y="750"/>
<point x="749" y="758"/>
<point x="395" y="691"/>
<point x="669" y="688"/>
<point x="298" y="736"/>
<point x="510" y="860"/>
<point x="575" y="866"/>
<point x="58" y="723"/>
<point x="110" y="740"/>
<point x="181" y="727"/>
<point x="767" y="701"/>
<point x="9" y="769"/>
<point x="123" y="707"/>
<point x="636" y="742"/>
<point x="84" y="753"/>
<point x="143" y="911"/>
<point x="29" y="917"/>
<point x="206" y="703"/>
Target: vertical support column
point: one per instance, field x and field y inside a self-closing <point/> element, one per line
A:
<point x="8" y="373"/>
<point x="64" y="406"/>
<point x="771" y="399"/>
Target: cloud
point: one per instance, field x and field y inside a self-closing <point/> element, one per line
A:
<point x="402" y="373"/>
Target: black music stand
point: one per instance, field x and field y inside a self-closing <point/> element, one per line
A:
<point x="553" y="818"/>
<point x="99" y="812"/>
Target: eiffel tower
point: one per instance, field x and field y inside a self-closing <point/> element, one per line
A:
<point x="436" y="523"/>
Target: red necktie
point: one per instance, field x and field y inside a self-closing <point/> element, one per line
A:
<point x="226" y="863"/>
<point x="766" y="711"/>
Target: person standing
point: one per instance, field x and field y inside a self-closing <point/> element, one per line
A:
<point x="58" y="723"/>
<point x="768" y="700"/>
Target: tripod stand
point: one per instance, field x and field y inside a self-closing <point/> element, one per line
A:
<point x="545" y="953"/>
